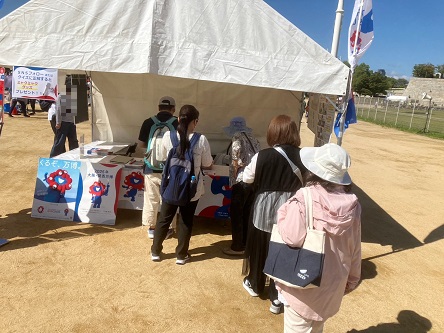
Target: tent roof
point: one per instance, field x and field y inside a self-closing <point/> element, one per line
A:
<point x="233" y="41"/>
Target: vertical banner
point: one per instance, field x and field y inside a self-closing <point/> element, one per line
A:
<point x="2" y="88"/>
<point x="56" y="189"/>
<point x="131" y="191"/>
<point x="97" y="200"/>
<point x="313" y="112"/>
<point x="34" y="83"/>
<point x="325" y="120"/>
<point x="321" y="117"/>
<point x="2" y="85"/>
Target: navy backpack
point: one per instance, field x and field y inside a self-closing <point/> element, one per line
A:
<point x="179" y="183"/>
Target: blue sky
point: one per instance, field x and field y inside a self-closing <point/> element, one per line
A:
<point x="407" y="32"/>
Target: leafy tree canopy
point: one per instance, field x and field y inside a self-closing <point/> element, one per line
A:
<point x="424" y="70"/>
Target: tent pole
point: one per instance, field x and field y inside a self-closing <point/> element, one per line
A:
<point x="344" y="108"/>
<point x="92" y="104"/>
<point x="337" y="28"/>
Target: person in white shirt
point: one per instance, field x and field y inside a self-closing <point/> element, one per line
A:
<point x="188" y="119"/>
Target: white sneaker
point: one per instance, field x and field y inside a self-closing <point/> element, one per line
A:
<point x="247" y="287"/>
<point x="276" y="306"/>
<point x="150" y="233"/>
<point x="184" y="260"/>
<point x="155" y="257"/>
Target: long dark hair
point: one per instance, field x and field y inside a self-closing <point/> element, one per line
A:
<point x="187" y="114"/>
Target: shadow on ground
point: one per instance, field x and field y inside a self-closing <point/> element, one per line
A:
<point x="24" y="231"/>
<point x="408" y="322"/>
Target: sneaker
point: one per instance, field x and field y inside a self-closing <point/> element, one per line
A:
<point x="230" y="252"/>
<point x="150" y="233"/>
<point x="169" y="234"/>
<point x="247" y="287"/>
<point x="155" y="257"/>
<point x="184" y="260"/>
<point x="276" y="307"/>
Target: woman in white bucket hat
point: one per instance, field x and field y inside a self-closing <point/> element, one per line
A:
<point x="336" y="210"/>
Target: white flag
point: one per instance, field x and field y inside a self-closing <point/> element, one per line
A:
<point x="360" y="33"/>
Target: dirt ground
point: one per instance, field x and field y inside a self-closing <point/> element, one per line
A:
<point x="67" y="277"/>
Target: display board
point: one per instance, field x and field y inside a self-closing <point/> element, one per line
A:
<point x="131" y="189"/>
<point x="76" y="191"/>
<point x="216" y="201"/>
<point x="34" y="83"/>
<point x="321" y="116"/>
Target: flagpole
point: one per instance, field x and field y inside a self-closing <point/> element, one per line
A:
<point x="344" y="108"/>
<point x="352" y="69"/>
<point x="337" y="29"/>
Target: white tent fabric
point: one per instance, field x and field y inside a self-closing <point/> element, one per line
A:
<point x="241" y="42"/>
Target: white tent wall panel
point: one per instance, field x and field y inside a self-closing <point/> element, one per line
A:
<point x="123" y="101"/>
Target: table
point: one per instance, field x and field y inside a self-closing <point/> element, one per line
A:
<point x="90" y="187"/>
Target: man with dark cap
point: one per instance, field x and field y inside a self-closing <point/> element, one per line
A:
<point x="151" y="130"/>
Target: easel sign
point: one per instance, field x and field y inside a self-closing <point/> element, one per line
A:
<point x="34" y="83"/>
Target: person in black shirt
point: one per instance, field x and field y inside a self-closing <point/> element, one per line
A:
<point x="152" y="178"/>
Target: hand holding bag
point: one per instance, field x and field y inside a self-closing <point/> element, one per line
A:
<point x="297" y="267"/>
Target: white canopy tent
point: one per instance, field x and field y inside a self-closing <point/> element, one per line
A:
<point x="227" y="57"/>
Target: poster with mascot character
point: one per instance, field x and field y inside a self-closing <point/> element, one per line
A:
<point x="97" y="201"/>
<point x="216" y="205"/>
<point x="131" y="191"/>
<point x="56" y="189"/>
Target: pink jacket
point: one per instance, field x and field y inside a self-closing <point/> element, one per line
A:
<point x="339" y="214"/>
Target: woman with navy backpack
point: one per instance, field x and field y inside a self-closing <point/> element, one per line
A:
<point x="181" y="149"/>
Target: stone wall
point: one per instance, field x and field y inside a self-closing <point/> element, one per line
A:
<point x="433" y="87"/>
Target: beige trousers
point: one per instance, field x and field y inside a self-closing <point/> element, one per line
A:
<point x="294" y="323"/>
<point x="152" y="200"/>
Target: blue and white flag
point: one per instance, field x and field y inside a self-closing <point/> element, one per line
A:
<point x="360" y="33"/>
<point x="360" y="37"/>
<point x="350" y="115"/>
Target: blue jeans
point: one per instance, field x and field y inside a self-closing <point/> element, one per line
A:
<point x="66" y="130"/>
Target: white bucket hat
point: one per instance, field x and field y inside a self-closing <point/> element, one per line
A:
<point x="329" y="162"/>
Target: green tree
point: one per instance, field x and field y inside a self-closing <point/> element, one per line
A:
<point x="424" y="70"/>
<point x="391" y="82"/>
<point x="401" y="83"/>
<point x="378" y="84"/>
<point x="361" y="78"/>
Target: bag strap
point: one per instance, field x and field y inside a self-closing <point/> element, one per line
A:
<point x="249" y="141"/>
<point x="308" y="207"/>
<point x="193" y="142"/>
<point x="293" y="166"/>
<point x="174" y="139"/>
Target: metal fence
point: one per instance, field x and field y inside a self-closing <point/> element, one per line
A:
<point x="415" y="115"/>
